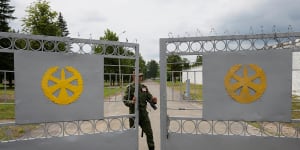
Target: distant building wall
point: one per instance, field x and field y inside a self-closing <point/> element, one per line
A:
<point x="296" y="73"/>
<point x="194" y="74"/>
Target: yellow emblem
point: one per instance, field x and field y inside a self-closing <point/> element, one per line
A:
<point x="64" y="89"/>
<point x="245" y="88"/>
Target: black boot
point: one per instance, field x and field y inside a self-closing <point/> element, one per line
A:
<point x="151" y="148"/>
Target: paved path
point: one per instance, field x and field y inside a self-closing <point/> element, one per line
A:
<point x="118" y="108"/>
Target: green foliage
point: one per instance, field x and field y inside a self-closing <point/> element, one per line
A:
<point x="62" y="25"/>
<point x="6" y="59"/>
<point x="186" y="63"/>
<point x="6" y="12"/>
<point x="142" y="65"/>
<point x="152" y="69"/>
<point x="7" y="63"/>
<point x="111" y="64"/>
<point x="41" y="20"/>
<point x="109" y="36"/>
<point x="174" y="64"/>
<point x="198" y="61"/>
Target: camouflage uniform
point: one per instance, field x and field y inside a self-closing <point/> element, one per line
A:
<point x="144" y="121"/>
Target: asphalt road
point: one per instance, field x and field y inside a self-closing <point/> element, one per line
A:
<point x="118" y="108"/>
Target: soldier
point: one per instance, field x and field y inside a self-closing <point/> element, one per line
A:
<point x="144" y="96"/>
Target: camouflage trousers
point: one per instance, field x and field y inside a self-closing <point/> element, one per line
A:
<point x="145" y="124"/>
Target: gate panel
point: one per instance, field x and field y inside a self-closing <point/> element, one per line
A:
<point x="37" y="74"/>
<point x="210" y="142"/>
<point x="265" y="97"/>
<point x="104" y="125"/>
<point x="107" y="141"/>
<point x="182" y="122"/>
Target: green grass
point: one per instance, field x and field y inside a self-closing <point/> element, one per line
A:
<point x="7" y="95"/>
<point x="14" y="132"/>
<point x="296" y="106"/>
<point x="112" y="91"/>
<point x="7" y="111"/>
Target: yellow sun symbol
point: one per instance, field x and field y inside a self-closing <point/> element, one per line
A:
<point x="246" y="88"/>
<point x="62" y="90"/>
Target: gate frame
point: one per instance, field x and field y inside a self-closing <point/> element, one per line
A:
<point x="42" y="40"/>
<point x="289" y="43"/>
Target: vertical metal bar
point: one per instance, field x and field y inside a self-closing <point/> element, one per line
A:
<point x="109" y="79"/>
<point x="137" y="55"/>
<point x="63" y="129"/>
<point x="119" y="72"/>
<point x="279" y="129"/>
<point x="122" y="81"/>
<point x="180" y="82"/>
<point x="212" y="127"/>
<point x="163" y="95"/>
<point x="228" y="128"/>
<point x="5" y="89"/>
<point x="173" y="83"/>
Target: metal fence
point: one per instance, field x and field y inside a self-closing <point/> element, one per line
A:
<point x="181" y="108"/>
<point x="116" y="115"/>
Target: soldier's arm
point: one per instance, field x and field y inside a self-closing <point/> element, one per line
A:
<point x="148" y="95"/>
<point x="127" y="98"/>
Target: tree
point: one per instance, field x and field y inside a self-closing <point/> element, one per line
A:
<point x="198" y="61"/>
<point x="186" y="63"/>
<point x="62" y="25"/>
<point x="6" y="59"/>
<point x="109" y="62"/>
<point x="41" y="20"/>
<point x="7" y="63"/>
<point x="174" y="67"/>
<point x="142" y="65"/>
<point x="6" y="12"/>
<point x="152" y="69"/>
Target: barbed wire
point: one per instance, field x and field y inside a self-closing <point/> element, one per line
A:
<point x="213" y="32"/>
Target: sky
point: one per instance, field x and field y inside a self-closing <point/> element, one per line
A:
<point x="146" y="21"/>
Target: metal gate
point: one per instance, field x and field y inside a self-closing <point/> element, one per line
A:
<point x="222" y="117"/>
<point x="78" y="115"/>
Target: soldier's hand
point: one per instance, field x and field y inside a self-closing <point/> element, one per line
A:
<point x="154" y="100"/>
<point x="133" y="100"/>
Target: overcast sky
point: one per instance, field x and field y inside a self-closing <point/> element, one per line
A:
<point x="145" y="21"/>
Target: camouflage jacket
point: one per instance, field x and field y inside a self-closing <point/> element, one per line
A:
<point x="144" y="97"/>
